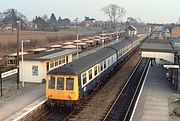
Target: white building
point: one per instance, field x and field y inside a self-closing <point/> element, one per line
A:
<point x="131" y="31"/>
<point x="35" y="67"/>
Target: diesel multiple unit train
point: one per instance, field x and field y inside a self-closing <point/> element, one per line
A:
<point x="73" y="80"/>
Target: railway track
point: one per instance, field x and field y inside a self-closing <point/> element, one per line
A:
<point x="102" y="91"/>
<point x="122" y="107"/>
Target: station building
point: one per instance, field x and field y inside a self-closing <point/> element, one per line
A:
<point x="35" y="67"/>
<point x="166" y="53"/>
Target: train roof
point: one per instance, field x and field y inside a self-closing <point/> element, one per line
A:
<point x="84" y="63"/>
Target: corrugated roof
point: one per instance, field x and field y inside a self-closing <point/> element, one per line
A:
<point x="132" y="28"/>
<point x="159" y="45"/>
<point x="51" y="54"/>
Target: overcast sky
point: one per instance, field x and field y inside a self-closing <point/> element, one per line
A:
<point x="159" y="11"/>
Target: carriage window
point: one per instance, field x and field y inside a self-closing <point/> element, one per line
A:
<point x="95" y="71"/>
<point x="51" y="83"/>
<point x="104" y="64"/>
<point x="90" y="74"/>
<point x="112" y="59"/>
<point x="60" y="61"/>
<point x="84" y="78"/>
<point x="101" y="66"/>
<point x="69" y="84"/>
<point x="60" y="83"/>
<point x="56" y="62"/>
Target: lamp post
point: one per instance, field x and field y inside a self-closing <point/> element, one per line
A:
<point x="17" y="58"/>
<point x="117" y="36"/>
<point x="22" y="61"/>
<point x="77" y="36"/>
<point x="77" y="46"/>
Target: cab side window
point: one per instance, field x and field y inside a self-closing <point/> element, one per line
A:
<point x="69" y="84"/>
<point x="60" y="83"/>
<point x="51" y="83"/>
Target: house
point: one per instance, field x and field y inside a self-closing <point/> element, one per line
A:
<point x="88" y="22"/>
<point x="130" y="31"/>
<point x="175" y="32"/>
<point x="35" y="67"/>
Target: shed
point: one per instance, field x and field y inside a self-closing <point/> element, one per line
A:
<point x="131" y="31"/>
<point x="35" y="67"/>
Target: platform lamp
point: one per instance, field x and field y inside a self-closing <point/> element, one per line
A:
<point x="77" y="45"/>
<point x="117" y="37"/>
<point x="22" y="61"/>
<point x="17" y="57"/>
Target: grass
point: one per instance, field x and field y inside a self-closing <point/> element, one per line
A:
<point x="8" y="39"/>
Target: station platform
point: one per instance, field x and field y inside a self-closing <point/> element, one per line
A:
<point x="30" y="93"/>
<point x="153" y="104"/>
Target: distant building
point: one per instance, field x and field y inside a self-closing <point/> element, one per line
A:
<point x="88" y="22"/>
<point x="8" y="27"/>
<point x="131" y="31"/>
<point x="175" y="32"/>
<point x="31" y="26"/>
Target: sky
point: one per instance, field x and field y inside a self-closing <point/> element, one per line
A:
<point x="149" y="11"/>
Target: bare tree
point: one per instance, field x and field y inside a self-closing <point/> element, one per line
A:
<point x="114" y="12"/>
<point x="11" y="16"/>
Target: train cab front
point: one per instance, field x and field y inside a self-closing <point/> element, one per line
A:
<point x="62" y="88"/>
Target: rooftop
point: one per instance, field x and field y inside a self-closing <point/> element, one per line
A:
<point x="51" y="54"/>
<point x="158" y="45"/>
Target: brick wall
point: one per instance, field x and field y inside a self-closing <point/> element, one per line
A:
<point x="175" y="32"/>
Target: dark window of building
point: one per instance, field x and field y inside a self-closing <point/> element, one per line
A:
<point x="66" y="59"/>
<point x="51" y="83"/>
<point x="60" y="83"/>
<point x="56" y="62"/>
<point x="52" y="64"/>
<point x="69" y="84"/>
<point x="47" y="66"/>
<point x="63" y="59"/>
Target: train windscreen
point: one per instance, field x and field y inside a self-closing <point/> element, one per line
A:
<point x="60" y="83"/>
<point x="69" y="83"/>
<point x="51" y="83"/>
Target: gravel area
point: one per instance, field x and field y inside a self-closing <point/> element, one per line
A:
<point x="174" y="103"/>
<point x="10" y="90"/>
<point x="98" y="105"/>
